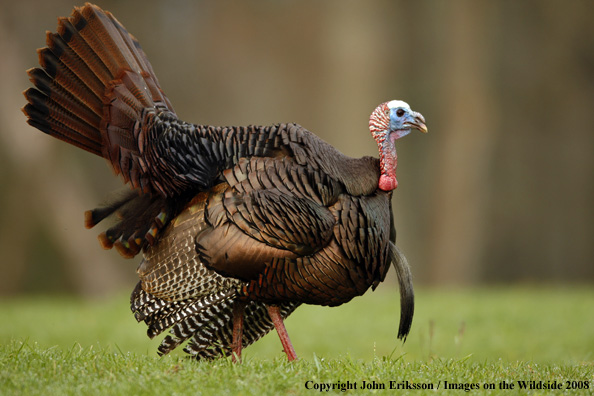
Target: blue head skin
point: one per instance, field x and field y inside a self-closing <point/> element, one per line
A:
<point x="403" y="119"/>
<point x="391" y="121"/>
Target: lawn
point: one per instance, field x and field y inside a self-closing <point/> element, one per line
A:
<point x="471" y="338"/>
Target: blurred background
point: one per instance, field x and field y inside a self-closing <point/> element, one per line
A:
<point x="500" y="191"/>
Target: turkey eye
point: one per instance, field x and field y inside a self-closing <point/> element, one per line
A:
<point x="399" y="112"/>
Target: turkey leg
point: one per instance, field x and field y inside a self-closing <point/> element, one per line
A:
<point x="277" y="320"/>
<point x="238" y="313"/>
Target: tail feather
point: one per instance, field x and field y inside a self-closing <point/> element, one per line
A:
<point x="75" y="54"/>
<point x="86" y="64"/>
<point x="141" y="218"/>
<point x="64" y="99"/>
<point x="60" y="120"/>
<point x="92" y="88"/>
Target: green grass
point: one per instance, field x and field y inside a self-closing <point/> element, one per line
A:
<point x="54" y="345"/>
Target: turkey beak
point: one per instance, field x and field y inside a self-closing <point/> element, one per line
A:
<point x="419" y="122"/>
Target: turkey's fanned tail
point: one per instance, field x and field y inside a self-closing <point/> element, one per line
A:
<point x="91" y="90"/>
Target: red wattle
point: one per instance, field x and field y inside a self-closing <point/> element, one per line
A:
<point x="387" y="183"/>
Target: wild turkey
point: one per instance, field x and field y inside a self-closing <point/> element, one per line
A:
<point x="238" y="226"/>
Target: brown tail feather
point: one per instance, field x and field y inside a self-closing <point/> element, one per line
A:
<point x="90" y="91"/>
<point x="93" y="85"/>
<point x="141" y="218"/>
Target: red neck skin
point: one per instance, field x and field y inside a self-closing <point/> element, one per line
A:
<point x="388" y="163"/>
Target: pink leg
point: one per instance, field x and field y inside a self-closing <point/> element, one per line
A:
<point x="238" y="312"/>
<point x="277" y="320"/>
